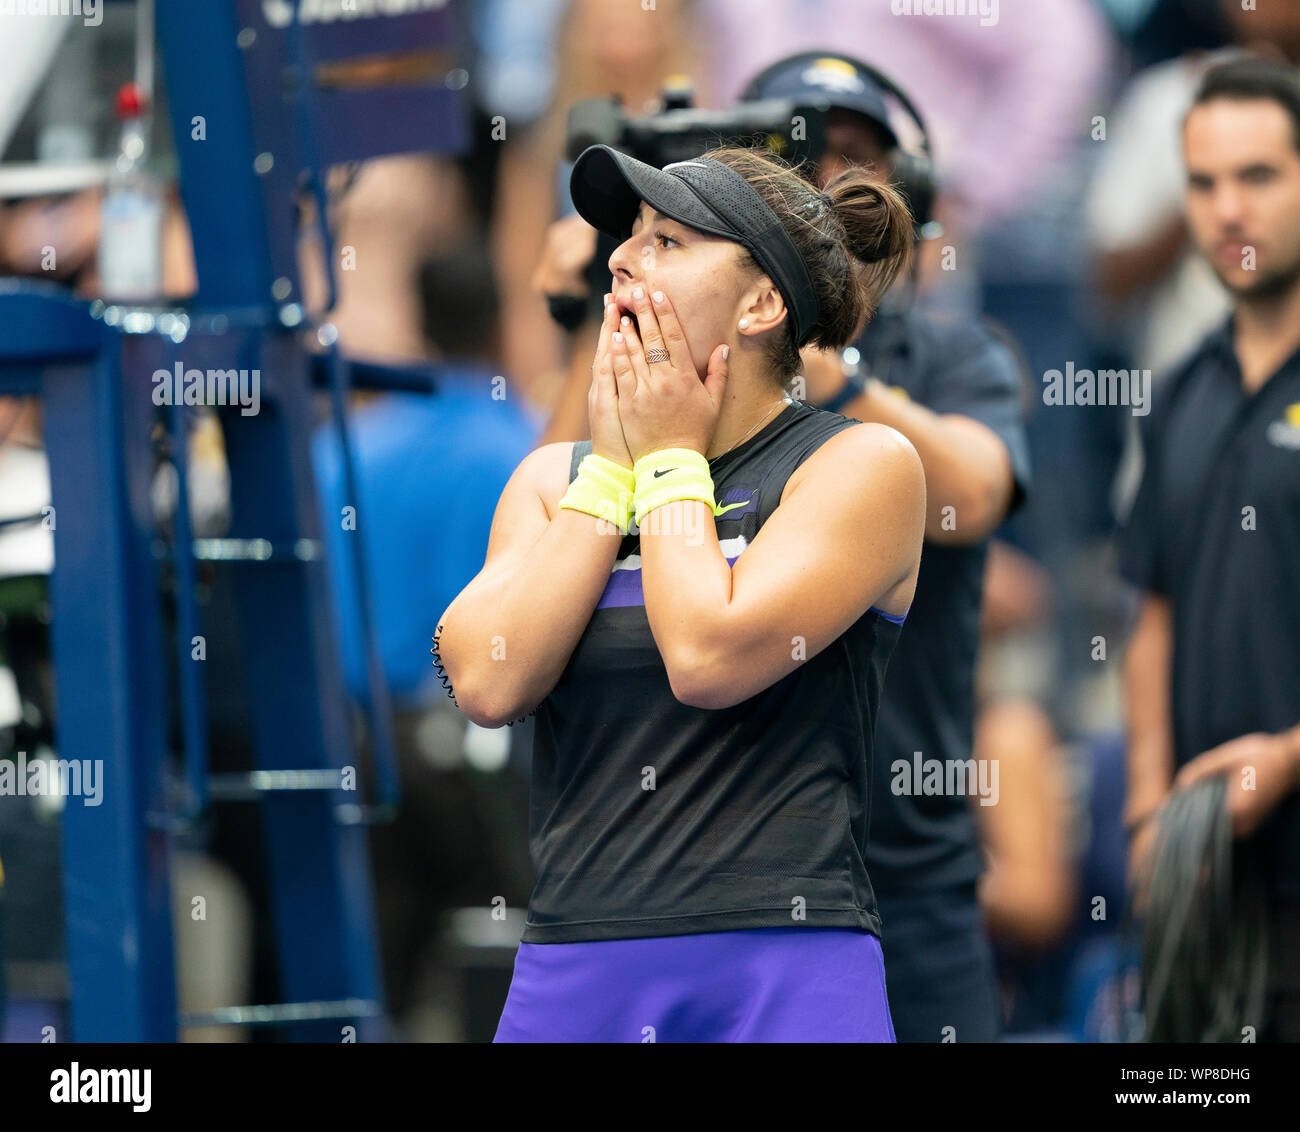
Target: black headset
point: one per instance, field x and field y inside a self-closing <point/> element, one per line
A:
<point x="913" y="172"/>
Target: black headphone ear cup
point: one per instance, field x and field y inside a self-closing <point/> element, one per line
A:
<point x="914" y="175"/>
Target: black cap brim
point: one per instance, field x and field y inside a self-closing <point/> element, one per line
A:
<point x="608" y="186"/>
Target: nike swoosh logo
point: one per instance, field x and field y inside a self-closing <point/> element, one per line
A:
<point x="730" y="506"/>
<point x="664" y="472"/>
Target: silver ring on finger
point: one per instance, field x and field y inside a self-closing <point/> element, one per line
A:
<point x="657" y="354"/>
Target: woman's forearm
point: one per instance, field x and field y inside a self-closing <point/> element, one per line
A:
<point x="687" y="585"/>
<point x="847" y="534"/>
<point x="507" y="637"/>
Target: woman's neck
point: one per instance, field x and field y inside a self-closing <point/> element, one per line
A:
<point x="748" y="406"/>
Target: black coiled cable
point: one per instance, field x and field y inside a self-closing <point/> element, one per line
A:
<point x="1205" y="935"/>
<point x="437" y="664"/>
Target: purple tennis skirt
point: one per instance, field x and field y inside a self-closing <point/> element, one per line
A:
<point x="757" y="985"/>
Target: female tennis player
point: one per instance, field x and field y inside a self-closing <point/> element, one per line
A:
<point x="699" y="604"/>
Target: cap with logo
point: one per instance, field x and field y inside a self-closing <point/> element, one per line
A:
<point x="838" y="79"/>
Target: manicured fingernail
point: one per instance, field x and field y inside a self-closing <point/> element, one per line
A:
<point x="638" y="293"/>
<point x="625" y="321"/>
<point x="726" y="350"/>
<point x="658" y="296"/>
<point x="618" y="338"/>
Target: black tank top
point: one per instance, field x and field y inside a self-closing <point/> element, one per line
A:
<point x="651" y="818"/>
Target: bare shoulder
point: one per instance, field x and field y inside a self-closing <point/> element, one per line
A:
<point x="861" y="496"/>
<point x="868" y="455"/>
<point x="544" y="472"/>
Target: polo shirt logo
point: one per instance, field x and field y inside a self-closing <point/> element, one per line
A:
<point x="1285" y="433"/>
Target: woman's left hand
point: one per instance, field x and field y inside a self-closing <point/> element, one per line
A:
<point x="664" y="404"/>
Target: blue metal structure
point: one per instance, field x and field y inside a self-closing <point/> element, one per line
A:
<point x="280" y="105"/>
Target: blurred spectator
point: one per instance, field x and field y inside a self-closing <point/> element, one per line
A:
<point x="1003" y="101"/>
<point x="1148" y="272"/>
<point x="511" y="83"/>
<point x="514" y="42"/>
<point x="1213" y="671"/>
<point x="429" y="471"/>
<point x="390" y="215"/>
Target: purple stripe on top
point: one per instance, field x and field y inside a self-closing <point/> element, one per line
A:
<point x="623" y="588"/>
<point x="796" y="984"/>
<point x="896" y="618"/>
<point x="624" y="585"/>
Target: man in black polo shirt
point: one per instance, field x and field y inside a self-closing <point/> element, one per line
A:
<point x="952" y="387"/>
<point x="1213" y="541"/>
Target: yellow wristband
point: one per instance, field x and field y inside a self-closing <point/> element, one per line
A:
<point x="669" y="475"/>
<point x="601" y="488"/>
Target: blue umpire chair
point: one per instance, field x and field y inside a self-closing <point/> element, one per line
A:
<point x="286" y="90"/>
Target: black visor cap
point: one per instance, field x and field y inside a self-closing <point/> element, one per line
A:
<point x="608" y="187"/>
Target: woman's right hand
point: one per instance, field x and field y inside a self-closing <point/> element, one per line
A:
<point x="602" y="401"/>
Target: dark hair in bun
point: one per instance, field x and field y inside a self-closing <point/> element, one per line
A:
<point x="856" y="237"/>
